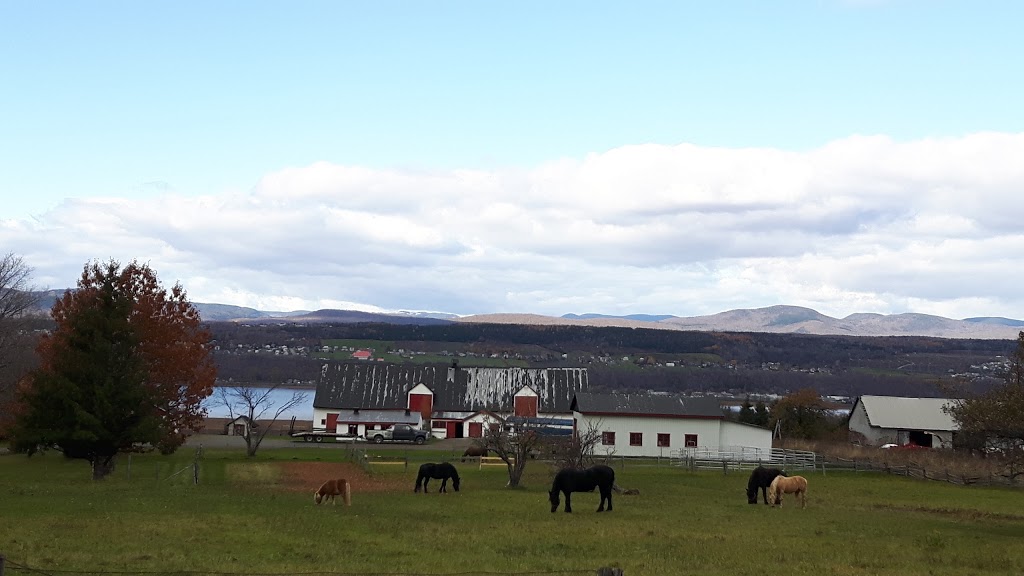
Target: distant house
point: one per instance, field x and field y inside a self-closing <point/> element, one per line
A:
<point x="897" y="420"/>
<point x="362" y="355"/>
<point x="240" y="426"/>
<point x="359" y="422"/>
<point x="658" y="425"/>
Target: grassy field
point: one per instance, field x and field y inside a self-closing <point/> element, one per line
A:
<point x="249" y="516"/>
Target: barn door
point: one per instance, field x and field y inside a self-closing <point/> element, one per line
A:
<point x="476" y="429"/>
<point x="332" y="422"/>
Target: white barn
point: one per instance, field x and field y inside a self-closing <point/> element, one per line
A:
<point x="898" y="420"/>
<point x="657" y="425"/>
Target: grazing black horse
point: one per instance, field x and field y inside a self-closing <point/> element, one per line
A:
<point x="761" y="478"/>
<point x="570" y="480"/>
<point x="442" y="471"/>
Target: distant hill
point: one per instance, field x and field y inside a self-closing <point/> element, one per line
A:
<point x="342" y="316"/>
<point x="773" y="319"/>
<point x="791" y="320"/>
<point x="996" y="320"/>
<point x="640" y="317"/>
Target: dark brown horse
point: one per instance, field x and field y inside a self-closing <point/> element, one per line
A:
<point x="474" y="450"/>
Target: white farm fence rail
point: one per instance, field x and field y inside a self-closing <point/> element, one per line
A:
<point x="743" y="458"/>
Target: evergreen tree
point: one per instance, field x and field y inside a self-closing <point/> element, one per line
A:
<point x="747" y="414"/>
<point x="761" y="415"/>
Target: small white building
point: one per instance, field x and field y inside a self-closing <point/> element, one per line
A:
<point x="879" y="420"/>
<point x="658" y="425"/>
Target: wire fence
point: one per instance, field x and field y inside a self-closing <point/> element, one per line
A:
<point x="10" y="567"/>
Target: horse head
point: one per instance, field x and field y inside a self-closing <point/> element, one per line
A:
<point x="455" y="482"/>
<point x="317" y="497"/>
<point x="751" y="494"/>
<point x="553" y="497"/>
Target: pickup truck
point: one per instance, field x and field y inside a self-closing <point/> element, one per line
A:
<point x="398" y="433"/>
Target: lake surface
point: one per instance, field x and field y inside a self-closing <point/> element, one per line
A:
<point x="302" y="411"/>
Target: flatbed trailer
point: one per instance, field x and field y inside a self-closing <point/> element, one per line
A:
<point x="319" y="435"/>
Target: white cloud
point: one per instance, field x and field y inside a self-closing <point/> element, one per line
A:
<point x="863" y="224"/>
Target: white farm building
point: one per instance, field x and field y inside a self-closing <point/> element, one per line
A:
<point x="660" y="425"/>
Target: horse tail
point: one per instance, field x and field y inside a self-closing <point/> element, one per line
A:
<point x="346" y="492"/>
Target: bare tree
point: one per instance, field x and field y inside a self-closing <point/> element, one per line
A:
<point x="17" y="299"/>
<point x="580" y="450"/>
<point x="256" y="404"/>
<point x="514" y="446"/>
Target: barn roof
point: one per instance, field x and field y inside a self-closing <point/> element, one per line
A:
<point x="907" y="413"/>
<point x="647" y="405"/>
<point x="349" y="385"/>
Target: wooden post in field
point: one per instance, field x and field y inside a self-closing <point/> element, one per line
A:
<point x="1" y="565"/>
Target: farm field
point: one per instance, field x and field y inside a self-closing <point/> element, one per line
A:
<point x="257" y="516"/>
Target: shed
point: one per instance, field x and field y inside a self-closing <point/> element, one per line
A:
<point x="899" y="420"/>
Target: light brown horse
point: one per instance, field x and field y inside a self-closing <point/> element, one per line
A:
<point x="796" y="485"/>
<point x="332" y="488"/>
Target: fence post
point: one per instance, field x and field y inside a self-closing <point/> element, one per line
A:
<point x="1" y="565"/>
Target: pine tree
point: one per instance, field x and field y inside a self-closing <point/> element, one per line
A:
<point x="747" y="414"/>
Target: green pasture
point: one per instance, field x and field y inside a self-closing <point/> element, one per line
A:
<point x="241" y="519"/>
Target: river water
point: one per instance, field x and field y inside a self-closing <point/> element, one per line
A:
<point x="303" y="410"/>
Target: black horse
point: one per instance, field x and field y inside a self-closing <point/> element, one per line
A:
<point x="569" y="480"/>
<point x="761" y="478"/>
<point x="442" y="472"/>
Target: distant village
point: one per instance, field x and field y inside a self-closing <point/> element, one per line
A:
<point x="364" y="354"/>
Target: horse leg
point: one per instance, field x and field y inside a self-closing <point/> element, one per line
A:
<point x="568" y="505"/>
<point x="444" y="485"/>
<point x="605" y="493"/>
<point x="764" y="494"/>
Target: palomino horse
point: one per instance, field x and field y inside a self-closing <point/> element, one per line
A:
<point x="796" y="485"/>
<point x="761" y="477"/>
<point x="569" y="480"/>
<point x="442" y="472"/>
<point x="332" y="488"/>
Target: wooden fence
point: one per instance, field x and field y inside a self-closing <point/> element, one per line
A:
<point x="914" y="470"/>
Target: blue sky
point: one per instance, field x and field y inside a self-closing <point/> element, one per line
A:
<point x="165" y="107"/>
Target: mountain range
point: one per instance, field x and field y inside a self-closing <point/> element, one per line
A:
<point x="778" y="319"/>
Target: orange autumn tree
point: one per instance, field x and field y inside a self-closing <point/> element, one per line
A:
<point x="127" y="366"/>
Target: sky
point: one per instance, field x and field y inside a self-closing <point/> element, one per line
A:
<point x="678" y="157"/>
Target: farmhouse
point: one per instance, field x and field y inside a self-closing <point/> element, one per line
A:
<point x="881" y="420"/>
<point x="658" y="425"/>
<point x="454" y="402"/>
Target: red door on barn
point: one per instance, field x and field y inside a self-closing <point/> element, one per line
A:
<point x="449" y="428"/>
<point x="476" y="429"/>
<point x="332" y="422"/>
